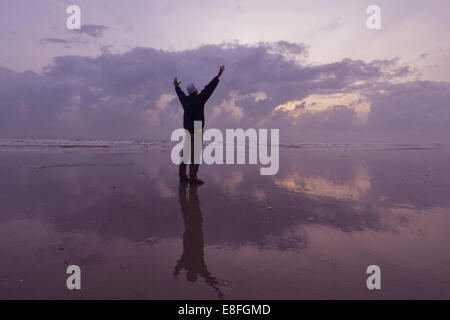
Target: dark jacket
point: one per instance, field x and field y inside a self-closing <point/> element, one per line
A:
<point x="194" y="105"/>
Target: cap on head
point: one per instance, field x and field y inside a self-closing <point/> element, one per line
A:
<point x="191" y="88"/>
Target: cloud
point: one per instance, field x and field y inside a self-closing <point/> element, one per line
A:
<point x="54" y="41"/>
<point x="326" y="29"/>
<point x="67" y="43"/>
<point x="421" y="106"/>
<point x="130" y="95"/>
<point x="93" y="30"/>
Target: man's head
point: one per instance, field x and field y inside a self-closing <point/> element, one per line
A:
<point x="191" y="89"/>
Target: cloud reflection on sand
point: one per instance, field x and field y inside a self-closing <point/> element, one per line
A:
<point x="323" y="187"/>
<point x="305" y="233"/>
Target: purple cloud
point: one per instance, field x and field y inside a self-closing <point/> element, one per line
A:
<point x="93" y="30"/>
<point x="131" y="95"/>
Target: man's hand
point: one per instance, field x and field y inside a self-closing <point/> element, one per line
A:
<point x="222" y="69"/>
<point x="176" y="83"/>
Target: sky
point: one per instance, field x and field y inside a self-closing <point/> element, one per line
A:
<point x="309" y="68"/>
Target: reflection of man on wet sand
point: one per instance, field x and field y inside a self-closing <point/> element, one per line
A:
<point x="192" y="258"/>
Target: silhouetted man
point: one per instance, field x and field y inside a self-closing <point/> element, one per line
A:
<point x="194" y="105"/>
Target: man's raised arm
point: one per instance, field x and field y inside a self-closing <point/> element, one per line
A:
<point x="178" y="90"/>
<point x="210" y="87"/>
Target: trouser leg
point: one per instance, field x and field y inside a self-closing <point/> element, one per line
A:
<point x="192" y="171"/>
<point x="195" y="156"/>
<point x="182" y="168"/>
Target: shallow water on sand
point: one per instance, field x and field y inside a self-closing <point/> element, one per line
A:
<point x="308" y="232"/>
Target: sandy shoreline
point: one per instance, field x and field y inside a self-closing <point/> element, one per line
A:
<point x="308" y="232"/>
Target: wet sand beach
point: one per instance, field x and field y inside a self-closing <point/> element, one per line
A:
<point x="309" y="232"/>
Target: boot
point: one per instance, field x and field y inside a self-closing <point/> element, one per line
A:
<point x="182" y="173"/>
<point x="193" y="180"/>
